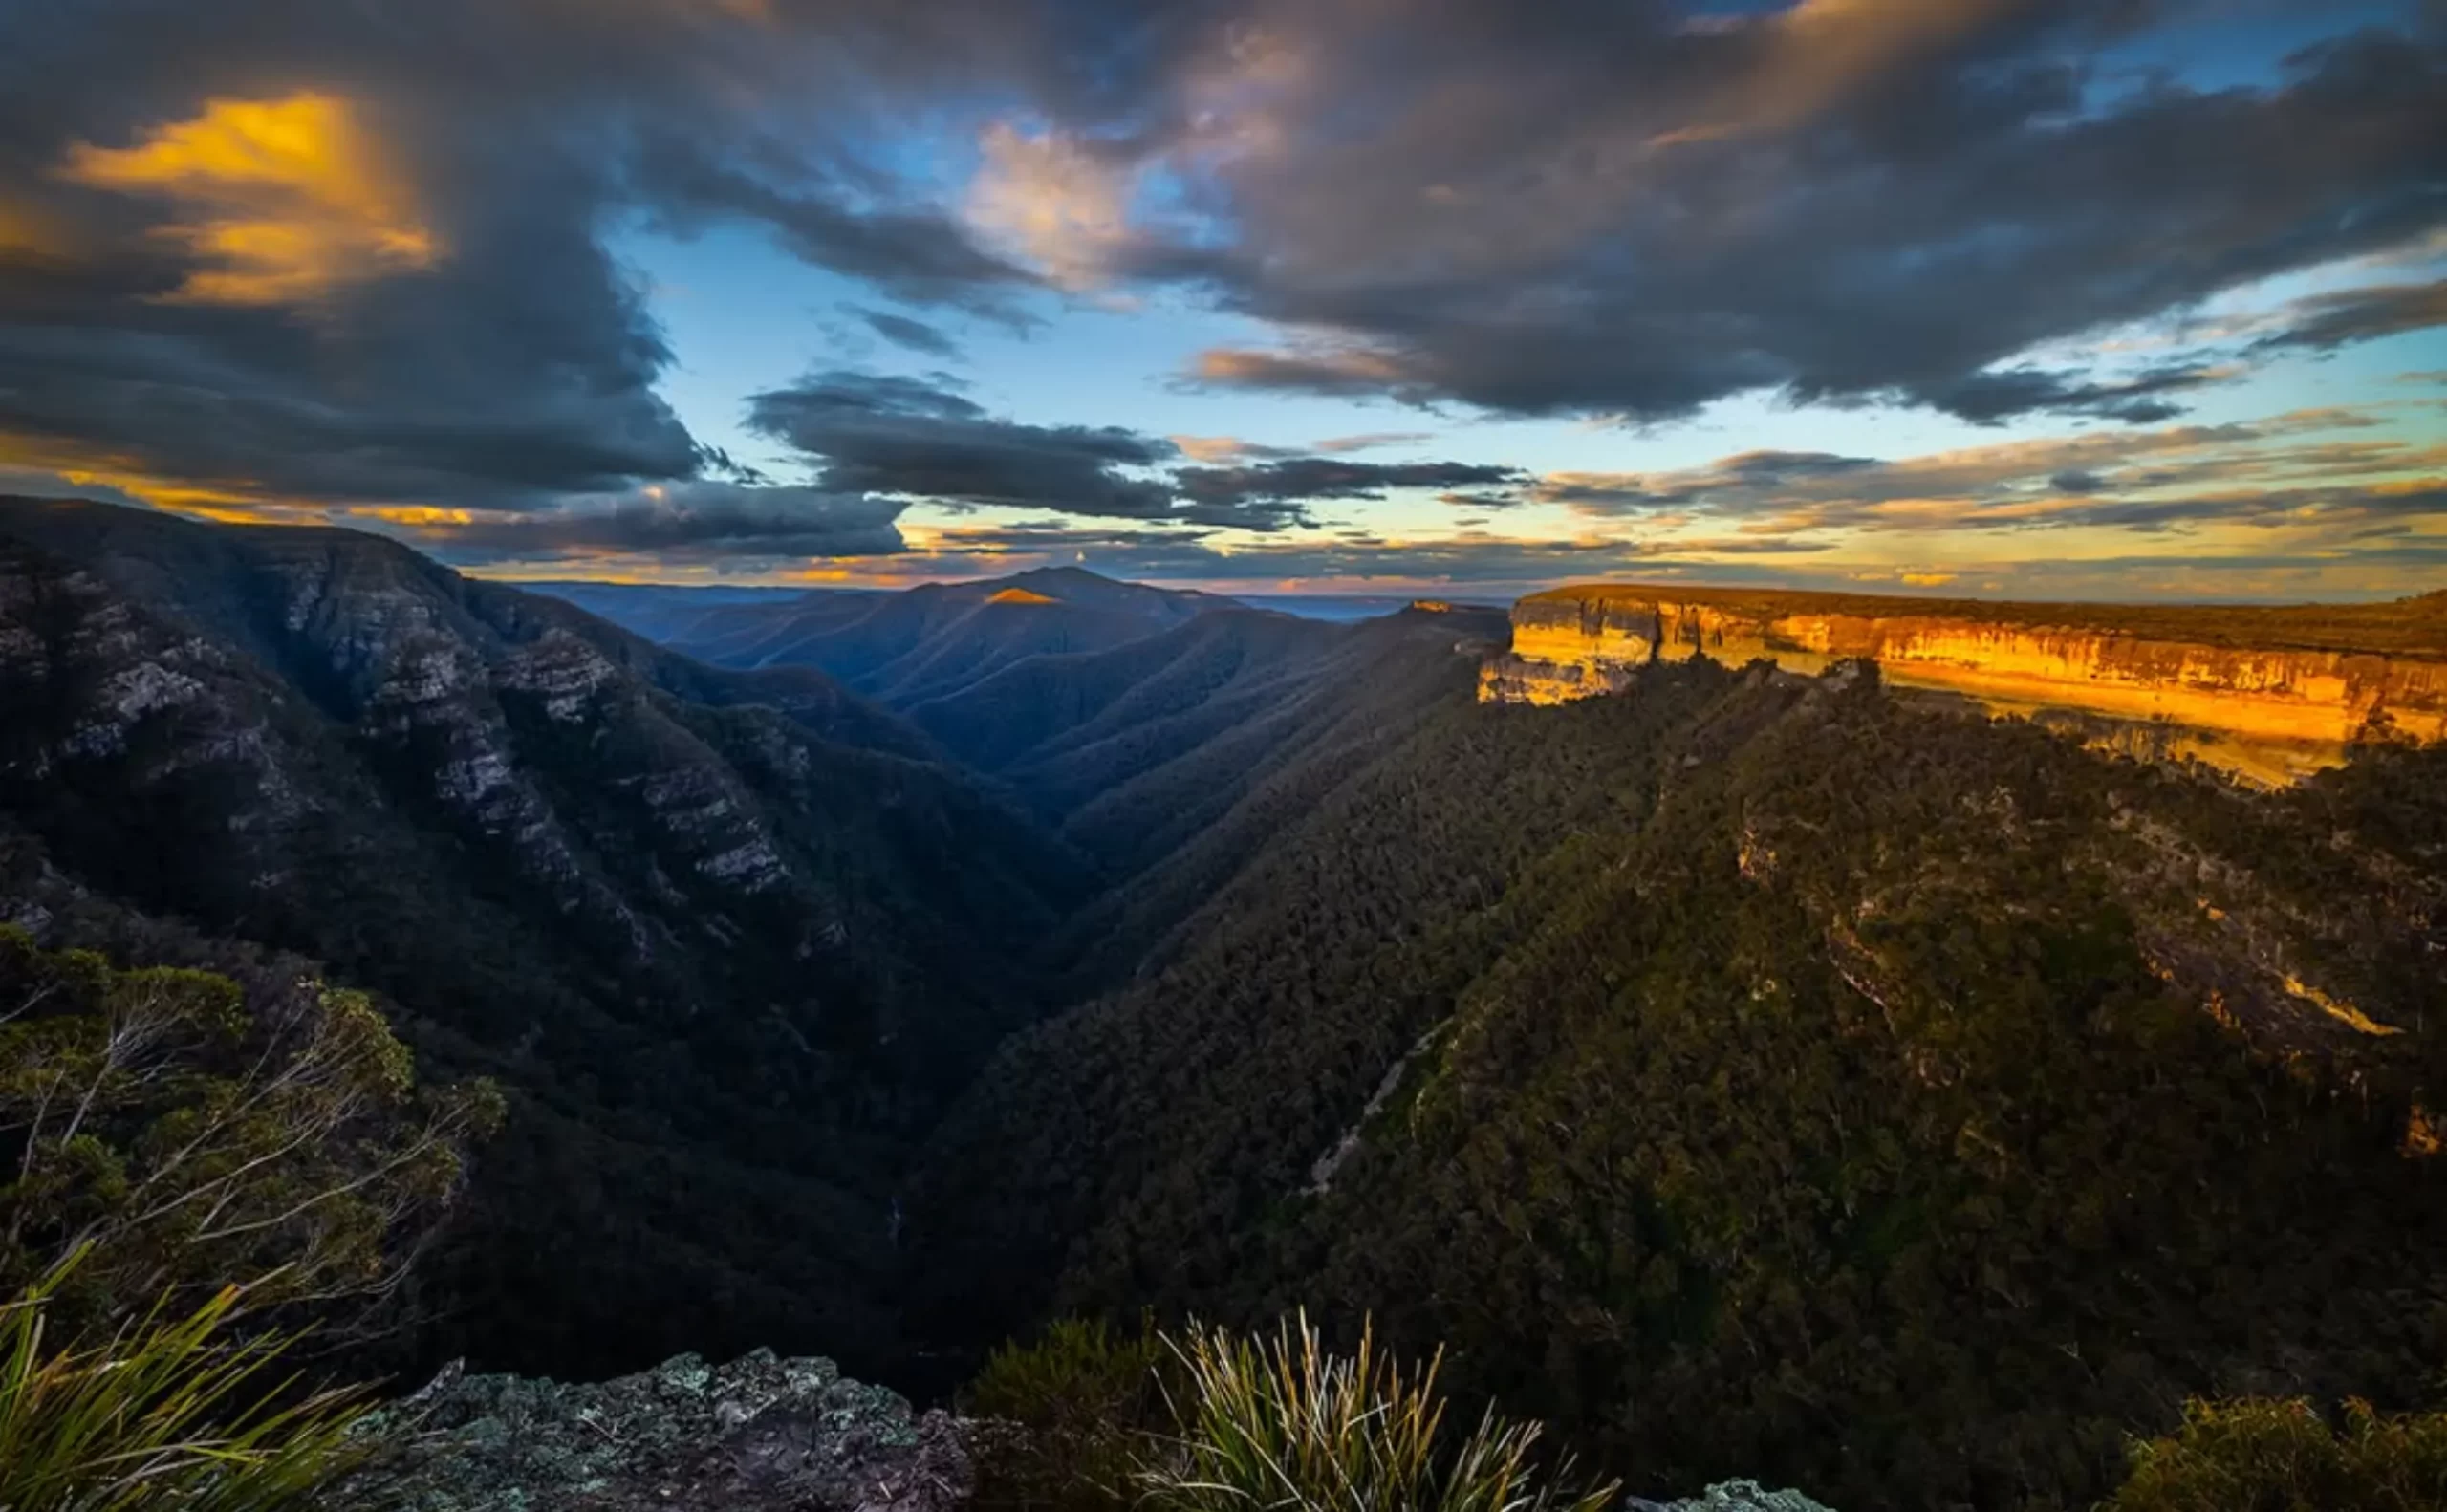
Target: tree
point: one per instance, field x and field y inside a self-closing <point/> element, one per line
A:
<point x="182" y="1133"/>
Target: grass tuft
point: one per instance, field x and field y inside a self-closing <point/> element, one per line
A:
<point x="1282" y="1425"/>
<point x="167" y="1414"/>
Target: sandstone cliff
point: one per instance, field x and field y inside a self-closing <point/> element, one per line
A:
<point x="2266" y="693"/>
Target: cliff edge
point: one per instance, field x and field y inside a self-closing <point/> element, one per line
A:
<point x="2268" y="693"/>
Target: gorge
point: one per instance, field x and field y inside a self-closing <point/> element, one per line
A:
<point x="1753" y="1074"/>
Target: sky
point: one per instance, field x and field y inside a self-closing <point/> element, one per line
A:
<point x="2138" y="299"/>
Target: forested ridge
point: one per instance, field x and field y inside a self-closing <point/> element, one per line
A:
<point x="1787" y="1078"/>
<point x="728" y="938"/>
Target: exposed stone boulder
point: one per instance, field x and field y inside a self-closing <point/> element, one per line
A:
<point x="1733" y="1496"/>
<point x="758" y="1434"/>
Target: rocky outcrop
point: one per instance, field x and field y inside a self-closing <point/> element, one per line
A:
<point x="1732" y="1496"/>
<point x="758" y="1434"/>
<point x="2266" y="693"/>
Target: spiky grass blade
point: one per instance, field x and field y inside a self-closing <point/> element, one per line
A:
<point x="1282" y="1425"/>
<point x="170" y="1412"/>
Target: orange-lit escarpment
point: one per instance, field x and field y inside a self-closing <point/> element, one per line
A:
<point x="2268" y="693"/>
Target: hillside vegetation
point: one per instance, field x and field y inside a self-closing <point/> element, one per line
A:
<point x="1752" y="1075"/>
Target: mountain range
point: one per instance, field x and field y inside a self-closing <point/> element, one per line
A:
<point x="1769" y="1070"/>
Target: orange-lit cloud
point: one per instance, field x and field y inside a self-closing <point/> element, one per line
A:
<point x="1049" y="200"/>
<point x="280" y="200"/>
<point x="1211" y="449"/>
<point x="22" y="232"/>
<point x="1325" y="369"/>
<point x="68" y="467"/>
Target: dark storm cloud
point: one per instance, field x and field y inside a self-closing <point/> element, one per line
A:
<point x="1590" y="209"/>
<point x="686" y="520"/>
<point x="919" y="253"/>
<point x="1284" y="487"/>
<point x="876" y="434"/>
<point x="1990" y="399"/>
<point x="482" y="349"/>
<point x="488" y="383"/>
<point x="1577" y="207"/>
<point x="890" y="434"/>
<point x="2331" y="320"/>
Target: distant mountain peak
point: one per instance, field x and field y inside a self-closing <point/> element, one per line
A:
<point x="1068" y="575"/>
<point x="1021" y="595"/>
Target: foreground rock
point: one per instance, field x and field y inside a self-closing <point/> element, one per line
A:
<point x="1732" y="1496"/>
<point x="758" y="1434"/>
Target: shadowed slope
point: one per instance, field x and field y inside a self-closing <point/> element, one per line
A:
<point x="730" y="935"/>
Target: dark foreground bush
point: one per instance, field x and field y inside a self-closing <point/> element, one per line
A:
<point x="2259" y="1455"/>
<point x="1073" y="1414"/>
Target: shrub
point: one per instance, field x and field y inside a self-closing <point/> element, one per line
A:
<point x="170" y="1414"/>
<point x="2259" y="1455"/>
<point x="178" y="1130"/>
<point x="1074" y="1412"/>
<point x="1286" y="1426"/>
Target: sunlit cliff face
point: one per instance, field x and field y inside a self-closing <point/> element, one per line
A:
<point x="278" y="200"/>
<point x="2267" y="712"/>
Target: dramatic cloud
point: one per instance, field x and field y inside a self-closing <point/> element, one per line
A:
<point x="915" y="252"/>
<point x="2288" y="472"/>
<point x="871" y="433"/>
<point x="288" y="198"/>
<point x="682" y="521"/>
<point x="2328" y="322"/>
<point x="1587" y="207"/>
<point x="334" y="253"/>
<point x="1988" y="399"/>
<point x="876" y="434"/>
<point x="368" y="258"/>
<point x="1229" y="495"/>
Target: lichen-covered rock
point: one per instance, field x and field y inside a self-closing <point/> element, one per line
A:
<point x="758" y="1434"/>
<point x="1733" y="1496"/>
